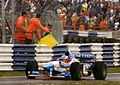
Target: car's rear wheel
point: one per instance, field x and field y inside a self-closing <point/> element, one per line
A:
<point x="100" y="70"/>
<point x="75" y="71"/>
<point x="31" y="66"/>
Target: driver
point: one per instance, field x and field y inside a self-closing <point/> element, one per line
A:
<point x="65" y="59"/>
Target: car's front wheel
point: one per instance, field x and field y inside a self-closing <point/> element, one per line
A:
<point x="31" y="66"/>
<point x="75" y="71"/>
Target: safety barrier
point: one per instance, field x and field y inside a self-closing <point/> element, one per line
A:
<point x="14" y="57"/>
<point x="71" y="36"/>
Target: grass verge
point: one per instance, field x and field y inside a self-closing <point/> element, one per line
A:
<point x="113" y="69"/>
<point x="12" y="73"/>
<point x="91" y="83"/>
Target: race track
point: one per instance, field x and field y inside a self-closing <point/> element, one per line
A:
<point x="22" y="80"/>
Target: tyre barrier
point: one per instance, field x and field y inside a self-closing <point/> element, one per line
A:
<point x="14" y="57"/>
<point x="71" y="36"/>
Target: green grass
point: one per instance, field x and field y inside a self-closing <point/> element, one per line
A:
<point x="22" y="73"/>
<point x="113" y="70"/>
<point x="91" y="83"/>
<point x="12" y="73"/>
<point x="77" y="83"/>
<point x="80" y="83"/>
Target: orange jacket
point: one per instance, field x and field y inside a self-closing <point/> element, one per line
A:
<point x="34" y="24"/>
<point x="63" y="17"/>
<point x="81" y="27"/>
<point x="103" y="25"/>
<point x="74" y="18"/>
<point x="20" y="28"/>
<point x="74" y="21"/>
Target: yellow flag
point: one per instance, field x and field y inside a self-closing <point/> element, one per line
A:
<point x="48" y="40"/>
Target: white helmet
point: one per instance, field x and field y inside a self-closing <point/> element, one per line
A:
<point x="64" y="57"/>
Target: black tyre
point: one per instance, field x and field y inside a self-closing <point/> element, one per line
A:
<point x="100" y="70"/>
<point x="75" y="71"/>
<point x="31" y="66"/>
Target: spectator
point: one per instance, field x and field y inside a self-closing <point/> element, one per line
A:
<point x="68" y="20"/>
<point x="20" y="29"/>
<point x="74" y="20"/>
<point x="33" y="29"/>
<point x="116" y="24"/>
<point x="84" y="6"/>
<point x="91" y="25"/>
<point x="49" y="26"/>
<point x="103" y="25"/>
<point x="98" y="8"/>
<point x="73" y="7"/>
<point x="63" y="17"/>
<point x="81" y="27"/>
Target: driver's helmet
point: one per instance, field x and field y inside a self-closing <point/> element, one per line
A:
<point x="64" y="57"/>
<point x="67" y="53"/>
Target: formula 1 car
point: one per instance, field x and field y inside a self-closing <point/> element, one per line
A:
<point x="76" y="67"/>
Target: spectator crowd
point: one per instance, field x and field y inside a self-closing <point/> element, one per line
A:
<point x="91" y="14"/>
<point x="103" y="15"/>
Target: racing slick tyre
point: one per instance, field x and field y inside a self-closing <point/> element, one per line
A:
<point x="100" y="70"/>
<point x="31" y="66"/>
<point x="75" y="71"/>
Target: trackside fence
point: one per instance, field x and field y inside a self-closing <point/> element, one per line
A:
<point x="14" y="57"/>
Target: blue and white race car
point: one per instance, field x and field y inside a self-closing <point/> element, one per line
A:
<point x="69" y="66"/>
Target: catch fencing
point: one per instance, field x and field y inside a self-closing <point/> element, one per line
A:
<point x="14" y="57"/>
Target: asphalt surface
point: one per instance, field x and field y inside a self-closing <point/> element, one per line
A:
<point x="22" y="80"/>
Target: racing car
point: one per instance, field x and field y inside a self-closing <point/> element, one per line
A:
<point x="69" y="66"/>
